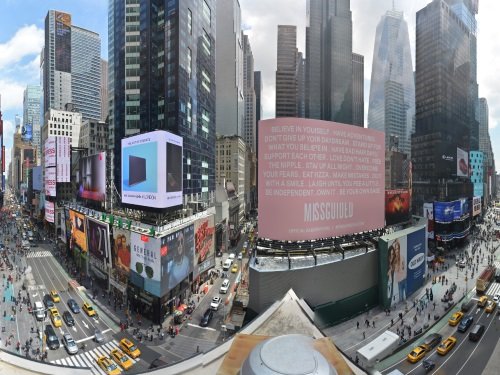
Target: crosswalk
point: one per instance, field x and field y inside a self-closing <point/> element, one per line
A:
<point x="88" y="358"/>
<point x="39" y="254"/>
<point x="493" y="289"/>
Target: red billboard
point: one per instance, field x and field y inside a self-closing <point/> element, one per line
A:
<point x="397" y="206"/>
<point x="319" y="179"/>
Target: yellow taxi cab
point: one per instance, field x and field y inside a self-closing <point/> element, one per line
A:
<point x="481" y="302"/>
<point x="121" y="359"/>
<point x="446" y="345"/>
<point x="129" y="348"/>
<point x="55" y="296"/>
<point x="108" y="366"/>
<point x="490" y="307"/>
<point x="455" y="318"/>
<point x="416" y="354"/>
<point x="234" y="269"/>
<point x="89" y="310"/>
<point x="55" y="317"/>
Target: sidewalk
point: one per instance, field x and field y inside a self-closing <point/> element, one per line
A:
<point x="349" y="338"/>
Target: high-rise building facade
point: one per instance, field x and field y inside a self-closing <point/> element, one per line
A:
<point x="229" y="70"/>
<point x="165" y="80"/>
<point x="443" y="116"/>
<point x="301" y="85"/>
<point x="103" y="90"/>
<point x="86" y="72"/>
<point x="358" y="89"/>
<point x="392" y="89"/>
<point x="32" y="100"/>
<point x="484" y="134"/>
<point x="329" y="72"/>
<point x="70" y="66"/>
<point x="286" y="72"/>
<point x="249" y="94"/>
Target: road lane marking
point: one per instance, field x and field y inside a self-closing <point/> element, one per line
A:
<point x="197" y="326"/>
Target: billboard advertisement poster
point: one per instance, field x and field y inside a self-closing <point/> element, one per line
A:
<point x="63" y="158"/>
<point x="98" y="244"/>
<point x="49" y="211"/>
<point x="50" y="182"/>
<point x="62" y="225"/>
<point x="204" y="245"/>
<point x="152" y="170"/>
<point x="121" y="254"/>
<point x="91" y="177"/>
<point x="476" y="206"/>
<point x="393" y="267"/>
<point x="145" y="256"/>
<point x="78" y="238"/>
<point x="178" y="262"/>
<point x="49" y="152"/>
<point x="27" y="133"/>
<point x="462" y="163"/>
<point x="415" y="255"/>
<point x="397" y="206"/>
<point x="37" y="178"/>
<point x="429" y="214"/>
<point x="327" y="177"/>
<point x="444" y="211"/>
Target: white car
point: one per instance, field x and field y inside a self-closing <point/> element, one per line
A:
<point x="70" y="344"/>
<point x="496" y="298"/>
<point x="240" y="256"/>
<point x="232" y="256"/>
<point x="224" y="287"/>
<point x="215" y="303"/>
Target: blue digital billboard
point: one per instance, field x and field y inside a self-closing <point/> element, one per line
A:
<point x="444" y="212"/>
<point x="415" y="243"/>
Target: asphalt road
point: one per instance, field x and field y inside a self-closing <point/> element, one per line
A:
<point x="466" y="357"/>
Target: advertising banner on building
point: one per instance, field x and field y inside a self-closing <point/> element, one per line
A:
<point x="204" y="245"/>
<point x="429" y="214"/>
<point x="152" y="170"/>
<point x="476" y="206"/>
<point x="49" y="211"/>
<point x="37" y="178"/>
<point x="50" y="182"/>
<point x="178" y="262"/>
<point x="78" y="237"/>
<point x="49" y="152"/>
<point x="98" y="244"/>
<point x="444" y="211"/>
<point x="91" y="177"/>
<point x="415" y="254"/>
<point x="462" y="163"/>
<point x="27" y="133"/>
<point x="145" y="262"/>
<point x="63" y="159"/>
<point x="120" y="267"/>
<point x="397" y="206"/>
<point x="62" y="225"/>
<point x="319" y="179"/>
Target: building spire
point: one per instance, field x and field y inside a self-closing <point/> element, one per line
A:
<point x="393" y="6"/>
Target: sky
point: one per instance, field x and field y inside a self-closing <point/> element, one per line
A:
<point x="22" y="37"/>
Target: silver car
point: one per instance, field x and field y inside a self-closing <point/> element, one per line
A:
<point x="98" y="336"/>
<point x="70" y="344"/>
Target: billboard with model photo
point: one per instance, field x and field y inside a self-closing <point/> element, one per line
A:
<point x="178" y="262"/>
<point x="397" y="206"/>
<point x="327" y="177"/>
<point x="204" y="244"/>
<point x="152" y="170"/>
<point x="78" y="237"/>
<point x="444" y="212"/>
<point x="120" y="266"/>
<point x="91" y="177"/>
<point x="145" y="262"/>
<point x="98" y="244"/>
<point x="429" y="214"/>
<point x="462" y="163"/>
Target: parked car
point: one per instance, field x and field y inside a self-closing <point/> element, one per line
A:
<point x="73" y="306"/>
<point x="206" y="318"/>
<point x="214" y="305"/>
<point x="69" y="344"/>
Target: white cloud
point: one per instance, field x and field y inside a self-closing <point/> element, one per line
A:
<point x="28" y="40"/>
<point x="12" y="95"/>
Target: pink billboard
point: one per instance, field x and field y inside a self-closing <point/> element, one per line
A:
<point x="319" y="179"/>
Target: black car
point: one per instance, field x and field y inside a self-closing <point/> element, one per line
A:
<point x="47" y="301"/>
<point x="207" y="317"/>
<point x="158" y="362"/>
<point x="465" y="323"/>
<point x="73" y="306"/>
<point x="51" y="337"/>
<point x="432" y="341"/>
<point x="68" y="319"/>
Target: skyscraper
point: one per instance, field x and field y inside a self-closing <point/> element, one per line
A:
<point x="71" y="66"/>
<point x="165" y="82"/>
<point x="286" y="72"/>
<point x="358" y="89"/>
<point x="329" y="74"/>
<point x="104" y="90"/>
<point x="229" y="75"/>
<point x="392" y="89"/>
<point x="484" y="135"/>
<point x="249" y="95"/>
<point x="32" y="99"/>
<point x="443" y="116"/>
